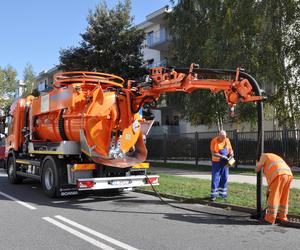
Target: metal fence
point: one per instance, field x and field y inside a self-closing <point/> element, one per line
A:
<point x="196" y="146"/>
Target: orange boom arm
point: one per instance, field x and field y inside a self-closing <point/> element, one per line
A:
<point x="236" y="89"/>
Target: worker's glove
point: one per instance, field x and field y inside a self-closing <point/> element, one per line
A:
<point x="225" y="157"/>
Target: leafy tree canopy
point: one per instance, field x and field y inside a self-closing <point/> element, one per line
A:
<point x="110" y="44"/>
<point x="8" y="85"/>
<point x="278" y="59"/>
<point x="260" y="36"/>
<point x="29" y="79"/>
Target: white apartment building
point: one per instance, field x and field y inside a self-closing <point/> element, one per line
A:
<point x="20" y="89"/>
<point x="156" y="44"/>
<point x="44" y="80"/>
<point x="156" y="52"/>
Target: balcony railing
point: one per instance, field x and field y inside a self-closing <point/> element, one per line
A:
<point x="162" y="63"/>
<point x="157" y="37"/>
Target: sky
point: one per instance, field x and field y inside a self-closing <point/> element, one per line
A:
<point x="33" y="31"/>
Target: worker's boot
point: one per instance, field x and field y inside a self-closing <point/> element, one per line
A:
<point x="282" y="217"/>
<point x="269" y="219"/>
<point x="213" y="199"/>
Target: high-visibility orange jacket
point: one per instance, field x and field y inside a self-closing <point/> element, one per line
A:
<point x="216" y="146"/>
<point x="273" y="166"/>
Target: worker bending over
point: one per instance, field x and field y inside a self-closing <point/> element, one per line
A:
<point x="279" y="177"/>
<point x="221" y="150"/>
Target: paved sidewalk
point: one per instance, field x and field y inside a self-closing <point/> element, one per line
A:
<point x="208" y="163"/>
<point x="251" y="179"/>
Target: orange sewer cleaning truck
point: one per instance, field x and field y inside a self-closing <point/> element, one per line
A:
<point x="87" y="134"/>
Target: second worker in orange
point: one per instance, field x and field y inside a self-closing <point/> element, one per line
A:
<point x="279" y="177"/>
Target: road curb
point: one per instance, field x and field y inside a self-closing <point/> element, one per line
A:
<point x="294" y="220"/>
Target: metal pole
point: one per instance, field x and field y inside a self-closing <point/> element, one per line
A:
<point x="165" y="148"/>
<point x="196" y="148"/>
<point x="236" y="149"/>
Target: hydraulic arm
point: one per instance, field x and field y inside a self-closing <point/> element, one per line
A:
<point x="236" y="88"/>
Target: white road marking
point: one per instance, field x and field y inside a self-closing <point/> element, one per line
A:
<point x="18" y="201"/>
<point x="57" y="202"/>
<point x="78" y="234"/>
<point x="95" y="233"/>
<point x="86" y="199"/>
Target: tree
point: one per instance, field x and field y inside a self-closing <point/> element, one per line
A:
<point x="215" y="34"/>
<point x="29" y="79"/>
<point x="260" y="36"/>
<point x="110" y="44"/>
<point x="279" y="42"/>
<point x="8" y="85"/>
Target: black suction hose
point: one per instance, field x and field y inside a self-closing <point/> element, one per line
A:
<point x="260" y="141"/>
<point x="260" y="123"/>
<point x="192" y="210"/>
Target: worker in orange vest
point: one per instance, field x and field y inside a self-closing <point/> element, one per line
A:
<point x="221" y="150"/>
<point x="279" y="177"/>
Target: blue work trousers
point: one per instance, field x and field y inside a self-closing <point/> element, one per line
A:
<point x="219" y="180"/>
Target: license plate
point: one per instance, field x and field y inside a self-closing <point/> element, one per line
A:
<point x="120" y="182"/>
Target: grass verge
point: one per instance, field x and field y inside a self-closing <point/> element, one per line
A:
<point x="238" y="194"/>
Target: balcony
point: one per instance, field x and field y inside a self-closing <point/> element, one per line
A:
<point x="158" y="40"/>
<point x="162" y="63"/>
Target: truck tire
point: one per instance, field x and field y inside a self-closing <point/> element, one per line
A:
<point x="50" y="177"/>
<point x="11" y="171"/>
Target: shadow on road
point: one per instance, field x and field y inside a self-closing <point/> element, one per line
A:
<point x="202" y="219"/>
<point x="30" y="191"/>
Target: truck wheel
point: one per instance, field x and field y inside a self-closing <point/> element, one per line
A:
<point x="11" y="171"/>
<point x="50" y="177"/>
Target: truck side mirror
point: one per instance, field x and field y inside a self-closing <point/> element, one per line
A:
<point x="2" y="125"/>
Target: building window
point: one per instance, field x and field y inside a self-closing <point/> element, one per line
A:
<point x="167" y="122"/>
<point x="171" y="120"/>
<point x="42" y="86"/>
<point x="150" y="37"/>
<point x="176" y="120"/>
<point x="155" y="123"/>
<point x="150" y="63"/>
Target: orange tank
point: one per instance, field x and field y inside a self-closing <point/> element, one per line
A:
<point x="91" y="108"/>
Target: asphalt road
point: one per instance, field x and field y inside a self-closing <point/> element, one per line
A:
<point x="30" y="220"/>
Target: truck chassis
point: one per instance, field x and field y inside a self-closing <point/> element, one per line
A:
<point x="64" y="170"/>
